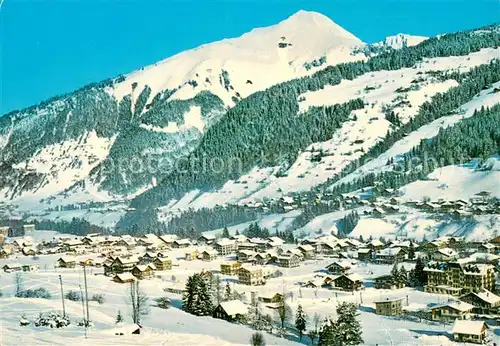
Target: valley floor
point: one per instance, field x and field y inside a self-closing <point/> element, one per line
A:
<point x="175" y="327"/>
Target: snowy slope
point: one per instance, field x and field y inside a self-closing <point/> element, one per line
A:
<point x="401" y="40"/>
<point x="251" y="62"/>
<point x="355" y="136"/>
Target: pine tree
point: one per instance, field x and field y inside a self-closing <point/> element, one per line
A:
<point x="327" y="334"/>
<point x="225" y="233"/>
<point x="395" y="273"/>
<point x="403" y="276"/>
<point x="347" y="327"/>
<point x="411" y="252"/>
<point x="300" y="321"/>
<point x="228" y="295"/>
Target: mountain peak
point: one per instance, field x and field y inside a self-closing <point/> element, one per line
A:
<point x="314" y="21"/>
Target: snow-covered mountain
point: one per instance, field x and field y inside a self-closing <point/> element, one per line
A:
<point x="235" y="68"/>
<point x="159" y="111"/>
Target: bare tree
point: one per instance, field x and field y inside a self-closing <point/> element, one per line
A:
<point x="284" y="312"/>
<point x="314" y="329"/>
<point x="138" y="300"/>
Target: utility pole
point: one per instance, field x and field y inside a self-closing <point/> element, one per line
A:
<point x="86" y="292"/>
<point x="62" y="296"/>
<point x="83" y="311"/>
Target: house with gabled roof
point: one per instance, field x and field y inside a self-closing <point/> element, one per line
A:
<point x="207" y="239"/>
<point x="162" y="263"/>
<point x="124" y="278"/>
<point x="181" y="243"/>
<point x="66" y="262"/>
<point x="445" y="255"/>
<point x="469" y="331"/>
<point x="289" y="260"/>
<point x="451" y="310"/>
<point x="143" y="271"/>
<point x="351" y="282"/>
<point x="209" y="255"/>
<point x="484" y="302"/>
<point x="339" y="267"/>
<point x="230" y="310"/>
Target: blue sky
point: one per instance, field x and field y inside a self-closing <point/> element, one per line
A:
<point x="49" y="47"/>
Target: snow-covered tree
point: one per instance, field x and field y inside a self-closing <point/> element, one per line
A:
<point x="228" y="295"/>
<point x="315" y="328"/>
<point x="225" y="233"/>
<point x="300" y="321"/>
<point x="197" y="299"/>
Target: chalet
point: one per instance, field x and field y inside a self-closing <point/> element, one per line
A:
<point x="445" y="255"/>
<point x="469" y="331"/>
<point x="209" y="255"/>
<point x="12" y="267"/>
<point x="365" y="254"/>
<point x="486" y="248"/>
<point x="314" y="284"/>
<point x="245" y="255"/>
<point x="71" y="244"/>
<point x="251" y="275"/>
<point x="231" y="310"/>
<point x="162" y="263"/>
<point x="263" y="258"/>
<point x="226" y="246"/>
<point x="148" y="257"/>
<point x="66" y="262"/>
<point x="484" y="302"/>
<point x="389" y="307"/>
<point x="274" y="242"/>
<point x="143" y="271"/>
<point x="124" y="278"/>
<point x="181" y="243"/>
<point x="289" y="261"/>
<point x="389" y="255"/>
<point x="375" y="244"/>
<point x="387" y="282"/>
<point x="127" y="241"/>
<point x="191" y="255"/>
<point x="352" y="282"/>
<point x="378" y="212"/>
<point x="339" y="267"/>
<point x="230" y="268"/>
<point x="451" y="310"/>
<point x="121" y="265"/>
<point x="28" y="251"/>
<point x="306" y="250"/>
<point x="206" y="240"/>
<point x="29" y="228"/>
<point x="353" y="244"/>
<point x="31" y="267"/>
<point x="148" y="240"/>
<point x="167" y="239"/>
<point x="271" y="298"/>
<point x="261" y="244"/>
